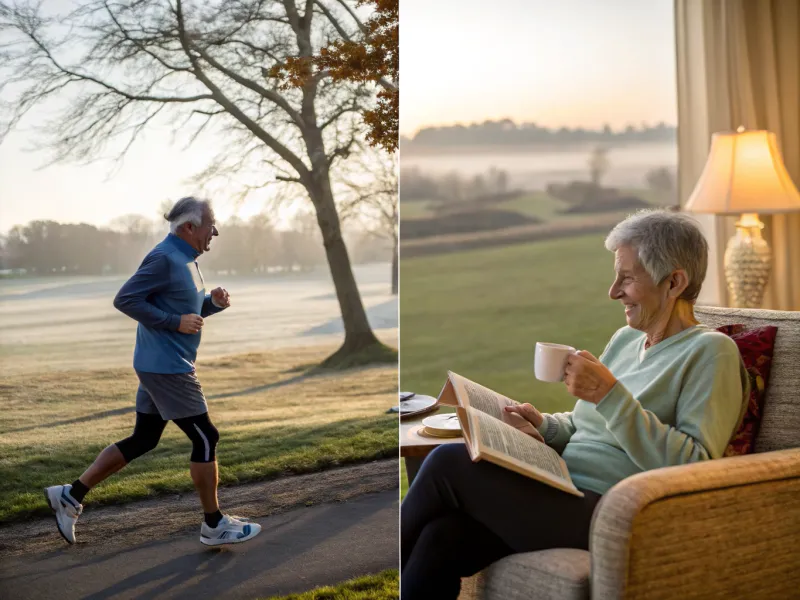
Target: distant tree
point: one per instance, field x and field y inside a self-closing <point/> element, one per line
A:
<point x="498" y="180"/>
<point x="300" y="246"/>
<point x="494" y="133"/>
<point x="414" y="185"/>
<point x="598" y="164"/>
<point x="478" y="187"/>
<point x="662" y="181"/>
<point x="263" y="243"/>
<point x="373" y="203"/>
<point x="452" y="187"/>
<point x="49" y="247"/>
<point x="136" y="235"/>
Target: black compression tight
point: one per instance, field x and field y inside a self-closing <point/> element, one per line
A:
<point x="148" y="429"/>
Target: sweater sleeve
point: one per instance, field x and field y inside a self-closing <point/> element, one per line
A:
<point x="132" y="299"/>
<point x="556" y="429"/>
<point x="707" y="411"/>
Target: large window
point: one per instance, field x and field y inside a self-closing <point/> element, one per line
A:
<point x="529" y="129"/>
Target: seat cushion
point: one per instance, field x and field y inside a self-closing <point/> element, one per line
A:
<point x="557" y="574"/>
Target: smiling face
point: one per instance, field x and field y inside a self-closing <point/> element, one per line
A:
<point x="199" y="237"/>
<point x="646" y="303"/>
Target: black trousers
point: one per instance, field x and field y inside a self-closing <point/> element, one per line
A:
<point x="459" y="517"/>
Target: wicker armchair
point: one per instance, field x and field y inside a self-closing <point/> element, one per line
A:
<point x="726" y="528"/>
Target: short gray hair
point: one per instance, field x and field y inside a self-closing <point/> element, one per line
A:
<point x="665" y="241"/>
<point x="187" y="210"/>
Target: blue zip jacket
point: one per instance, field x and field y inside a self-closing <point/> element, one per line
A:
<point x="167" y="284"/>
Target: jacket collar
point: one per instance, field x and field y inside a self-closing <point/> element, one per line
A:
<point x="181" y="245"/>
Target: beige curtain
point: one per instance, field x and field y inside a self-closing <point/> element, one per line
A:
<point x="738" y="63"/>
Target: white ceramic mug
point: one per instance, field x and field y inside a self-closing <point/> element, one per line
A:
<point x="550" y="361"/>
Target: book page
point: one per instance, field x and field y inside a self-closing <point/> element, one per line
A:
<point x="485" y="400"/>
<point x="512" y="442"/>
<point x="448" y="395"/>
<point x="466" y="431"/>
<point x="489" y="402"/>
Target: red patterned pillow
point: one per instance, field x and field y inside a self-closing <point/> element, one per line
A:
<point x="756" y="347"/>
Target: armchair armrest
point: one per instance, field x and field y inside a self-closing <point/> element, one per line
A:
<point x="724" y="528"/>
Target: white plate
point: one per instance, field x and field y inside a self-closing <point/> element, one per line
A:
<point x="446" y="423"/>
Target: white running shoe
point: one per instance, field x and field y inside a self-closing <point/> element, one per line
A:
<point x="65" y="509"/>
<point x="230" y="530"/>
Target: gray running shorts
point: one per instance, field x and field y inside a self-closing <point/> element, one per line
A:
<point x="171" y="395"/>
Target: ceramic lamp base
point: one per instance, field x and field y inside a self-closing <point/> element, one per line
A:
<point x="747" y="263"/>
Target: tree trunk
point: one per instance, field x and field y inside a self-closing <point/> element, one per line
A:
<point x="358" y="335"/>
<point x="360" y="344"/>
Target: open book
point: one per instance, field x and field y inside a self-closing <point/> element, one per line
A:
<point x="499" y="437"/>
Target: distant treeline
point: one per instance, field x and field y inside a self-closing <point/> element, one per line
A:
<point x="453" y="186"/>
<point x="243" y="247"/>
<point x="508" y="133"/>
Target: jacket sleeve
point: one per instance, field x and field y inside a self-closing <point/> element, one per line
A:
<point x="132" y="299"/>
<point x="209" y="308"/>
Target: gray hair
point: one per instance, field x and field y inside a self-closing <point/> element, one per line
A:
<point x="187" y="210"/>
<point x="665" y="241"/>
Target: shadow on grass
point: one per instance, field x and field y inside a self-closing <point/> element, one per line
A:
<point x="263" y="388"/>
<point x="95" y="417"/>
<point x="305" y="372"/>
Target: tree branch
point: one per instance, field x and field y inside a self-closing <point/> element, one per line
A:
<point x="234" y="110"/>
<point x="127" y="36"/>
<point x="141" y="98"/>
<point x="288" y="179"/>
<point x="270" y="95"/>
<point x="361" y="26"/>
<point x="334" y="21"/>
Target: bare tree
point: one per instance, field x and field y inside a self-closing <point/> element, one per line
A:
<point x="598" y="164"/>
<point x="122" y="66"/>
<point x="373" y="201"/>
<point x="662" y="181"/>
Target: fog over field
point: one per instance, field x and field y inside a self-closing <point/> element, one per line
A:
<point x="70" y="322"/>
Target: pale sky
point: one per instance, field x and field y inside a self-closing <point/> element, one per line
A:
<point x="152" y="172"/>
<point x="554" y="62"/>
<point x="565" y="62"/>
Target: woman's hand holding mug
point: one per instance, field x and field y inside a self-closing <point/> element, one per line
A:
<point x="587" y="378"/>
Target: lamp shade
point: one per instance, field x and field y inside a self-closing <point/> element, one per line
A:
<point x="744" y="173"/>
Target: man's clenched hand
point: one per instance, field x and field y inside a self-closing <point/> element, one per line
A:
<point x="221" y="297"/>
<point x="190" y="324"/>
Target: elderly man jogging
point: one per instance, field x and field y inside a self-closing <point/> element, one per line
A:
<point x="167" y="297"/>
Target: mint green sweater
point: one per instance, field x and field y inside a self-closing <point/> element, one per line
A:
<point x="676" y="402"/>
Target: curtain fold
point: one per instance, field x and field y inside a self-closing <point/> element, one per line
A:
<point x="738" y="63"/>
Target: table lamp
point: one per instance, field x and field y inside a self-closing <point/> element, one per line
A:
<point x="745" y="175"/>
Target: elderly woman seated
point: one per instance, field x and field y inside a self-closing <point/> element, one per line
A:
<point x="666" y="391"/>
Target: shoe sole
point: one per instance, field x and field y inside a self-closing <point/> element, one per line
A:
<point x="55" y="516"/>
<point x="209" y="542"/>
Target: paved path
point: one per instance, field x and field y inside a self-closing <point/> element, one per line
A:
<point x="297" y="550"/>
